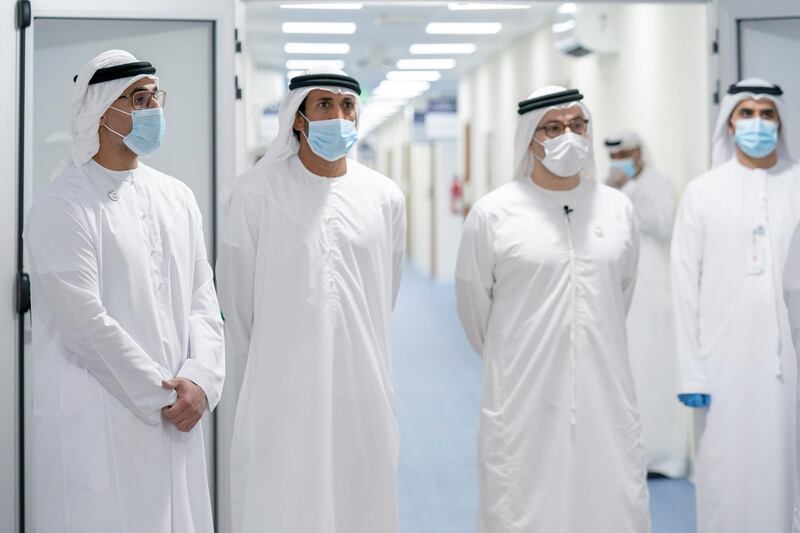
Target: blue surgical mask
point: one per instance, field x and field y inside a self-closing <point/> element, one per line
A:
<point x="625" y="165"/>
<point x="147" y="131"/>
<point x="756" y="137"/>
<point x="331" y="139"/>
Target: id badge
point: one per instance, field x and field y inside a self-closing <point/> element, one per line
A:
<point x="757" y="252"/>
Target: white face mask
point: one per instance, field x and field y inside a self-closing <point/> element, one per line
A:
<point x="565" y="155"/>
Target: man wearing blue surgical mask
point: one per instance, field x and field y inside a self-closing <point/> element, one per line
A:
<point x="309" y="267"/>
<point x="737" y="366"/>
<point x="128" y="352"/>
<point x="651" y="332"/>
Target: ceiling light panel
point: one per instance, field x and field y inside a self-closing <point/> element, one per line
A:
<point x="340" y="6"/>
<point x="484" y="6"/>
<point x="426" y="64"/>
<point x="414" y="75"/>
<point x="316" y="48"/>
<point x="463" y="28"/>
<point x="337" y="28"/>
<point x="303" y="64"/>
<point x="442" y="48"/>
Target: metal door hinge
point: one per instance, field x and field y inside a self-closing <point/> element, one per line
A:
<point x="23" y="14"/>
<point x="23" y="293"/>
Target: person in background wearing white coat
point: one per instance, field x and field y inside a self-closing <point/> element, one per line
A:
<point x="545" y="273"/>
<point x="737" y="364"/>
<point x="128" y="351"/>
<point x="308" y="268"/>
<point x="651" y="330"/>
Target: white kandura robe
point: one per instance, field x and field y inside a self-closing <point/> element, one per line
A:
<point x="729" y="247"/>
<point x="651" y="330"/>
<point x="542" y="297"/>
<point x="791" y="297"/>
<point x="308" y="271"/>
<point x="122" y="298"/>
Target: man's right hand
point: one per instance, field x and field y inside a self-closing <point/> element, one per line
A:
<point x="190" y="406"/>
<point x="695" y="400"/>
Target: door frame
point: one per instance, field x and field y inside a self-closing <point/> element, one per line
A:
<point x="225" y="137"/>
<point x="724" y="23"/>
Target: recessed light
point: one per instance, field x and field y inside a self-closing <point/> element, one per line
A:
<point x="568" y="8"/>
<point x="442" y="48"/>
<point x="426" y="64"/>
<point x="463" y="28"/>
<point x="304" y="64"/>
<point x="316" y="48"/>
<point x="478" y="6"/>
<point x="414" y="75"/>
<point x="561" y="27"/>
<point x="339" y="28"/>
<point x="407" y="89"/>
<point x="351" y="6"/>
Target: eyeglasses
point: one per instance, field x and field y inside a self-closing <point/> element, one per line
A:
<point x="555" y="129"/>
<point x="141" y="99"/>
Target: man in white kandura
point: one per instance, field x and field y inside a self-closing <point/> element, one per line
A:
<point x="127" y="337"/>
<point x="735" y="351"/>
<point x="545" y="274"/>
<point x="651" y="330"/>
<point x="309" y="267"/>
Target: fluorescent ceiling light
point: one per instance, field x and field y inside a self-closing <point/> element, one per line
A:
<point x="385" y="101"/>
<point x="561" y="27"/>
<point x="463" y="28"/>
<point x="316" y="48"/>
<point x="478" y="6"/>
<point x="303" y="64"/>
<point x="401" y="88"/>
<point x="426" y="64"/>
<point x="567" y="9"/>
<point x="414" y="75"/>
<point x="292" y="73"/>
<point x="409" y="85"/>
<point x="333" y="5"/>
<point x="339" y="28"/>
<point x="443" y="49"/>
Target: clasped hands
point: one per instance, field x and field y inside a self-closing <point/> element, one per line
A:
<point x="188" y="409"/>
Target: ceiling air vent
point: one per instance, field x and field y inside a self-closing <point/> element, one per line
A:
<point x="579" y="30"/>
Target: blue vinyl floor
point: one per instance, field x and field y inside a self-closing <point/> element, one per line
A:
<point x="437" y="379"/>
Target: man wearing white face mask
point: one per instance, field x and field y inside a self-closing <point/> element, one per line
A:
<point x="128" y="351"/>
<point x="545" y="273"/>
<point x="737" y="365"/>
<point x="651" y="330"/>
<point x="309" y="267"/>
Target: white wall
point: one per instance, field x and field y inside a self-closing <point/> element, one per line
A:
<point x="448" y="224"/>
<point x="9" y="406"/>
<point x="656" y="83"/>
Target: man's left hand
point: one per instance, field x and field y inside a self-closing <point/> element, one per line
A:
<point x="189" y="407"/>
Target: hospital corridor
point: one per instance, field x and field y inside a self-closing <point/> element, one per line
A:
<point x="400" y="266"/>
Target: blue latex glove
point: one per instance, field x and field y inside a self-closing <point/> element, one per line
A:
<point x="695" y="400"/>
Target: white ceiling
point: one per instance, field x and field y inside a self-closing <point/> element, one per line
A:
<point x="385" y="30"/>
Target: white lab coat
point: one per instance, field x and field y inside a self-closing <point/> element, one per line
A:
<point x="122" y="298"/>
<point x="308" y="271"/>
<point x="542" y="297"/>
<point x="728" y="250"/>
<point x="651" y="330"/>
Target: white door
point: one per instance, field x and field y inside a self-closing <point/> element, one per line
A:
<point x="770" y="49"/>
<point x="183" y="54"/>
